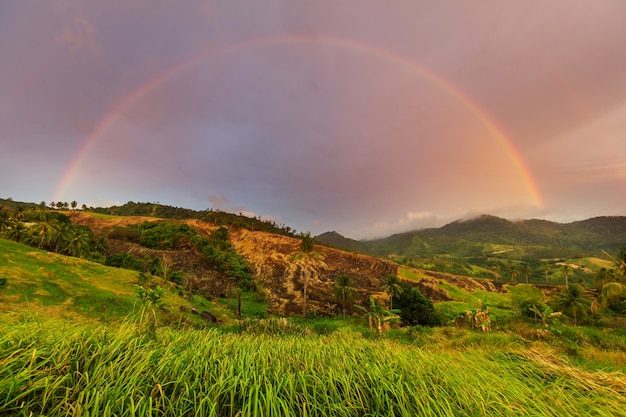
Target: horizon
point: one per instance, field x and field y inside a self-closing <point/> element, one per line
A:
<point x="351" y="116"/>
<point x="447" y="222"/>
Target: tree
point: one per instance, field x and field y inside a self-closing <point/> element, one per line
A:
<point x="513" y="272"/>
<point x="44" y="227"/>
<point x="151" y="302"/>
<point x="526" y="271"/>
<point x="415" y="308"/>
<point x="546" y="267"/>
<point x="613" y="295"/>
<point x="18" y="232"/>
<point x="77" y="241"/>
<point x="393" y="287"/>
<point x="306" y="259"/>
<point x="572" y="301"/>
<point x="619" y="260"/>
<point x="5" y="221"/>
<point x="601" y="277"/>
<point x="165" y="264"/>
<point x="344" y="291"/>
<point x="378" y="315"/>
<point x="74" y="204"/>
<point x="496" y="272"/>
<point x="566" y="270"/>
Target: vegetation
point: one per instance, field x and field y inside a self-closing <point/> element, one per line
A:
<point x="306" y="258"/>
<point x="58" y="368"/>
<point x="344" y="291"/>
<point x="81" y="338"/>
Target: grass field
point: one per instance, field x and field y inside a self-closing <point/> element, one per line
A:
<point x="57" y="368"/>
<point x="63" y="354"/>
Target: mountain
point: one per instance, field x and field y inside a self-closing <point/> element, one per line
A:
<point x="335" y="240"/>
<point x="476" y="236"/>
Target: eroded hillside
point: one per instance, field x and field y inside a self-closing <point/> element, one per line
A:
<point x="272" y="258"/>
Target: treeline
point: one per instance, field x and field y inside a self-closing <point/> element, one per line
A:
<point x="215" y="217"/>
<point x="51" y="231"/>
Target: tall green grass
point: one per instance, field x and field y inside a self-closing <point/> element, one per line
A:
<point x="54" y="368"/>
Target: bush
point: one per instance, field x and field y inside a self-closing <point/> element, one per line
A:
<point x="416" y="309"/>
<point x="529" y="306"/>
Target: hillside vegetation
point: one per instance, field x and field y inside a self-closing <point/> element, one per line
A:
<point x="183" y="316"/>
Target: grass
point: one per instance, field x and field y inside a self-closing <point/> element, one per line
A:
<point x="61" y="286"/>
<point x="69" y="345"/>
<point x="56" y="368"/>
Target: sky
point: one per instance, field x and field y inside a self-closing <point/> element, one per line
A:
<point x="360" y="116"/>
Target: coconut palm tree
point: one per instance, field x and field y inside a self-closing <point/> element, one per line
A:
<point x="377" y="314"/>
<point x="513" y="272"/>
<point x="601" y="277"/>
<point x="619" y="261"/>
<point x="77" y="241"/>
<point x="344" y="291"/>
<point x="526" y="271"/>
<point x="572" y="300"/>
<point x="611" y="292"/>
<point x="18" y="232"/>
<point x="393" y="288"/>
<point x="566" y="270"/>
<point x="546" y="267"/>
<point x="44" y="227"/>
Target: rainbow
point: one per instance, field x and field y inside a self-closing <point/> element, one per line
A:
<point x="135" y="96"/>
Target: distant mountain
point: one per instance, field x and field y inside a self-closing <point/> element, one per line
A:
<point x="475" y="236"/>
<point x="335" y="240"/>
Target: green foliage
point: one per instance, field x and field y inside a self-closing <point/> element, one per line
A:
<point x="344" y="291"/>
<point x="56" y="368"/>
<point x="151" y="302"/>
<point x="215" y="217"/>
<point x="126" y="261"/>
<point x="572" y="301"/>
<point x="415" y="309"/>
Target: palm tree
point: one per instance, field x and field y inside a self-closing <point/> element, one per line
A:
<point x="496" y="272"/>
<point x="619" y="261"/>
<point x="74" y="204"/>
<point x="77" y="241"/>
<point x="393" y="288"/>
<point x="566" y="270"/>
<point x="572" y="300"/>
<point x="344" y="291"/>
<point x="546" y="267"/>
<point x="44" y="227"/>
<point x="307" y="257"/>
<point x="377" y="314"/>
<point x="513" y="272"/>
<point x="18" y="232"/>
<point x="611" y="291"/>
<point x="526" y="271"/>
<point x="601" y="276"/>
<point x="5" y="221"/>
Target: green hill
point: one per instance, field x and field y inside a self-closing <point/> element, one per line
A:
<point x="49" y="284"/>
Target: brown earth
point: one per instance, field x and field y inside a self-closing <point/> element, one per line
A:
<point x="273" y="261"/>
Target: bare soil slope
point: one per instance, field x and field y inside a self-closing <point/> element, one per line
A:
<point x="274" y="262"/>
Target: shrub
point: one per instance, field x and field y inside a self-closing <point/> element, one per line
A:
<point x="416" y="309"/>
